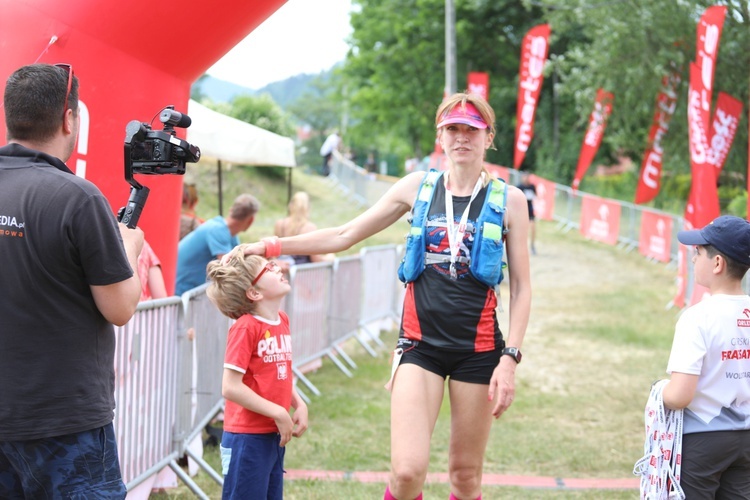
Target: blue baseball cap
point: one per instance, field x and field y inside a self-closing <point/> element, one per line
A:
<point x="728" y="234"/>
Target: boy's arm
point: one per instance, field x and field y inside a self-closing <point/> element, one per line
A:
<point x="235" y="390"/>
<point x="680" y="390"/>
<point x="300" y="414"/>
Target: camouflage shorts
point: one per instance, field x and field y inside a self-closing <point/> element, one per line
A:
<point x="74" y="466"/>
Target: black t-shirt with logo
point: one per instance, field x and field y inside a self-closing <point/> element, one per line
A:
<point x="58" y="236"/>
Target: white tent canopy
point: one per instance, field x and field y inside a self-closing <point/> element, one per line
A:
<point x="234" y="141"/>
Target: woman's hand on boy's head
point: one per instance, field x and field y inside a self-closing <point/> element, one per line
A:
<point x="258" y="248"/>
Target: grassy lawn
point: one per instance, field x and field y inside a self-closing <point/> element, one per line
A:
<point x="599" y="335"/>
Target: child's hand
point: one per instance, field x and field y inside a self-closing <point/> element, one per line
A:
<point x="284" y="424"/>
<point x="300" y="420"/>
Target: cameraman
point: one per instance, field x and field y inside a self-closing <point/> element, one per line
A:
<point x="67" y="277"/>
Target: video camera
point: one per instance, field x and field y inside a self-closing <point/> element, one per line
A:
<point x="153" y="152"/>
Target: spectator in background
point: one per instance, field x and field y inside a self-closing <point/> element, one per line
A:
<point x="332" y="142"/>
<point x="67" y="278"/>
<point x="149" y="272"/>
<point x="529" y="191"/>
<point x="370" y="164"/>
<point x="298" y="222"/>
<point x="188" y="219"/>
<point x="211" y="240"/>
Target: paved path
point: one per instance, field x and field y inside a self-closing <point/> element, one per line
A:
<point x="487" y="479"/>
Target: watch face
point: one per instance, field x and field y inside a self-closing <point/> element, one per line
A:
<point x="514" y="352"/>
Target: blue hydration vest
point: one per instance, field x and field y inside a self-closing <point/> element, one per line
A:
<point x="486" y="260"/>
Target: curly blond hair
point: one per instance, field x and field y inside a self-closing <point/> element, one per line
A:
<point x="231" y="281"/>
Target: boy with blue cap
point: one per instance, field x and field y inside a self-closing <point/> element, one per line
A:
<point x="709" y="365"/>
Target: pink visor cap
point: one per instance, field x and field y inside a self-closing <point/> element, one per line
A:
<point x="467" y="115"/>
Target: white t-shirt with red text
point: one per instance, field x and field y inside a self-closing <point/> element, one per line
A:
<point x="712" y="340"/>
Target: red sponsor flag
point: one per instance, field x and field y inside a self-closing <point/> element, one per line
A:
<point x="655" y="239"/>
<point x="698" y="293"/>
<point x="544" y="202"/>
<point x="498" y="171"/>
<point x="534" y="50"/>
<point x="479" y="83"/>
<point x="703" y="201"/>
<point x="594" y="133"/>
<point x="723" y="129"/>
<point x="600" y="219"/>
<point x="682" y="270"/>
<point x="706" y="52"/>
<point x="649" y="180"/>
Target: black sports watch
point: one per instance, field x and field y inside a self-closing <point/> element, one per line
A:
<point x="513" y="352"/>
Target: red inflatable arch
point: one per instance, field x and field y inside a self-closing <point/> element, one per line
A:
<point x="132" y="59"/>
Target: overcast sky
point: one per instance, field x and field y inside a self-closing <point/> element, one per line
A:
<point x="303" y="36"/>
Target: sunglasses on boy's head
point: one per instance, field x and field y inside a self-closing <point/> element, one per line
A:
<point x="69" y="69"/>
<point x="270" y="266"/>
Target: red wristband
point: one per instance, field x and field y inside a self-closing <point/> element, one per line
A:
<point x="273" y="247"/>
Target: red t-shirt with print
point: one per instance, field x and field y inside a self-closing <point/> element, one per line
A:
<point x="260" y="349"/>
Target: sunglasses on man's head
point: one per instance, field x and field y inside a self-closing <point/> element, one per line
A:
<point x="69" y="69"/>
<point x="270" y="266"/>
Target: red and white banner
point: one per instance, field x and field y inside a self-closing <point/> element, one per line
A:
<point x="649" y="180"/>
<point x="479" y="83"/>
<point x="498" y="171"/>
<point x="534" y="50"/>
<point x="600" y="219"/>
<point x="594" y="133"/>
<point x="699" y="293"/>
<point x="682" y="270"/>
<point x="723" y="129"/>
<point x="544" y="203"/>
<point x="706" y="52"/>
<point x="703" y="201"/>
<point x="656" y="236"/>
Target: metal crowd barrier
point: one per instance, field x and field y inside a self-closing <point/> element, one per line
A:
<point x="169" y="358"/>
<point x="567" y="212"/>
<point x="361" y="186"/>
<point x="146" y="388"/>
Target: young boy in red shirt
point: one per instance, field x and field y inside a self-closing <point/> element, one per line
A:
<point x="258" y="381"/>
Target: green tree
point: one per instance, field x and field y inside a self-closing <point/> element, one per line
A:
<point x="395" y="75"/>
<point x="396" y="69"/>
<point x="261" y="111"/>
<point x="627" y="47"/>
<point x="320" y="107"/>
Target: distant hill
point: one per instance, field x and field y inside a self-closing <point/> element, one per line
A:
<point x="284" y="92"/>
<point x="218" y="90"/>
